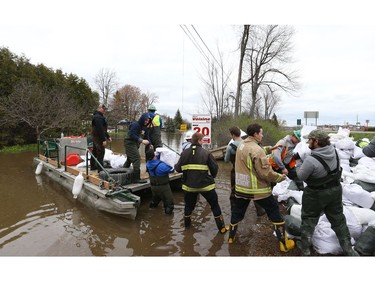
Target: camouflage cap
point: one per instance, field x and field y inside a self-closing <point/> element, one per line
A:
<point x="317" y="134"/>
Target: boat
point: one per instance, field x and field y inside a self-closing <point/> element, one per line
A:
<point x="103" y="193"/>
<point x="219" y="152"/>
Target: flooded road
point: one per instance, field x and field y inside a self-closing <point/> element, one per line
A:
<point x="40" y="218"/>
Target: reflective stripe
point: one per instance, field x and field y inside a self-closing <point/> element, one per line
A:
<point x="196" y="167"/>
<point x="198" y="189"/>
<point x="253" y="188"/>
<point x="247" y="190"/>
<point x="253" y="178"/>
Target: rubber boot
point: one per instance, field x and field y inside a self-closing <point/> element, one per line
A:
<point x="259" y="209"/>
<point x="285" y="244"/>
<point x="232" y="232"/>
<point x="304" y="251"/>
<point x="187" y="221"/>
<point x="220" y="224"/>
<point x="348" y="249"/>
<point x="137" y="177"/>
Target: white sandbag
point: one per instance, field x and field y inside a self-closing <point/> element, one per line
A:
<point x="345" y="144"/>
<point x="358" y="153"/>
<point x="302" y="148"/>
<point x="306" y="130"/>
<point x="372" y="194"/>
<point x="324" y="238"/>
<point x="295" y="211"/>
<point x="356" y="194"/>
<point x="363" y="215"/>
<point x="368" y="162"/>
<point x="107" y="155"/>
<point x="344" y="154"/>
<point x="167" y="156"/>
<point x="117" y="161"/>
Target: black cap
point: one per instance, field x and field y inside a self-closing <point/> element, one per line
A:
<point x="150" y="154"/>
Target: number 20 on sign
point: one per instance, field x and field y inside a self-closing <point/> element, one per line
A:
<point x="202" y="124"/>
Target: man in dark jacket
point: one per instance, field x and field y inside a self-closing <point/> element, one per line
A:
<point x="100" y="137"/>
<point x="132" y="143"/>
<point x="159" y="180"/>
<point x="199" y="169"/>
<point x="322" y="173"/>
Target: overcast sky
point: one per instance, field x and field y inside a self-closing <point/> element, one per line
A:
<point x="149" y="49"/>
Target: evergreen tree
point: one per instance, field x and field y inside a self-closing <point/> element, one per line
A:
<point x="177" y="119"/>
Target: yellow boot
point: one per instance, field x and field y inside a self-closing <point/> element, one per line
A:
<point x="285" y="244"/>
<point x="232" y="232"/>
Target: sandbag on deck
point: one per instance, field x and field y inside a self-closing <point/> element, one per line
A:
<point x="121" y="175"/>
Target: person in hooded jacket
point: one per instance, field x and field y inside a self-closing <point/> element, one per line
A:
<point x="159" y="180"/>
<point x="132" y="143"/>
<point x="100" y="137"/>
<point x="323" y="194"/>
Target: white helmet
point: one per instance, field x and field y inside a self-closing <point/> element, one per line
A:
<point x="188" y="135"/>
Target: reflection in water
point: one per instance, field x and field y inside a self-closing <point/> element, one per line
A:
<point x="40" y="218"/>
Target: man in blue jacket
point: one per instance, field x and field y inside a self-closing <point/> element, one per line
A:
<point x="159" y="179"/>
<point x="132" y="143"/>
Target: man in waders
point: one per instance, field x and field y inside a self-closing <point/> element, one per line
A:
<point x="132" y="143"/>
<point x="322" y="173"/>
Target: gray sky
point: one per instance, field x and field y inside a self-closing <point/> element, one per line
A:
<point x="148" y="49"/>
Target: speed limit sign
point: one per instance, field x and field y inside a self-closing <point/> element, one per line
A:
<point x="202" y="124"/>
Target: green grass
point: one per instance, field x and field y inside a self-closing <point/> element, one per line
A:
<point x="19" y="148"/>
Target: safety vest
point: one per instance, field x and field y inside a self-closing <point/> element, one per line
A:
<point x="291" y="164"/>
<point x="155" y="121"/>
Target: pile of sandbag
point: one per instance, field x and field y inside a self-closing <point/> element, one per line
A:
<point x="358" y="182"/>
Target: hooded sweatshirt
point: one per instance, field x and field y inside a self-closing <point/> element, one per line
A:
<point x="311" y="167"/>
<point x="137" y="127"/>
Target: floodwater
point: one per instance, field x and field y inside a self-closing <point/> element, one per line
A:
<point x="38" y="217"/>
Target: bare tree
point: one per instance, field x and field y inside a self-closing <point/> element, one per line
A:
<point x="106" y="82"/>
<point x="266" y="59"/>
<point x="40" y="108"/>
<point x="151" y="98"/>
<point x="243" y="44"/>
<point x="216" y="85"/>
<point x="129" y="103"/>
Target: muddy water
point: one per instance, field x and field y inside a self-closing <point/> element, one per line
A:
<point x="38" y="217"/>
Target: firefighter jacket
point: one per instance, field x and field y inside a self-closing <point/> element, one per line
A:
<point x="283" y="156"/>
<point x="199" y="168"/>
<point x="254" y="173"/>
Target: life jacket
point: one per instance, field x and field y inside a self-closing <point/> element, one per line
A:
<point x="291" y="164"/>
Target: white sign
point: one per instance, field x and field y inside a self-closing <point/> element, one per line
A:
<point x="202" y="124"/>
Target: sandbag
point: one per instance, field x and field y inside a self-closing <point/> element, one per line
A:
<point x="369" y="187"/>
<point x="365" y="245"/>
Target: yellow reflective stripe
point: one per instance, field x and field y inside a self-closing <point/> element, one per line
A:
<point x="196" y="167"/>
<point x="247" y="190"/>
<point x="253" y="178"/>
<point x="198" y="189"/>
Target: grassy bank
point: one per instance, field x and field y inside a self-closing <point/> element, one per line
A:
<point x="19" y="148"/>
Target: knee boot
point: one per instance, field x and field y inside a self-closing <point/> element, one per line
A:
<point x="232" y="232"/>
<point x="348" y="249"/>
<point x="285" y="244"/>
<point x="187" y="221"/>
<point x="137" y="177"/>
<point x="220" y="224"/>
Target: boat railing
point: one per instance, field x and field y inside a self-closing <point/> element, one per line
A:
<point x="50" y="148"/>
